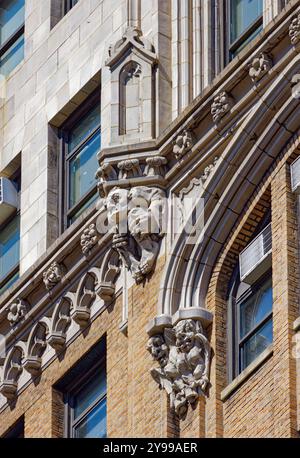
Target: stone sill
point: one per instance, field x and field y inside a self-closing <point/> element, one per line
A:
<point x="246" y="373"/>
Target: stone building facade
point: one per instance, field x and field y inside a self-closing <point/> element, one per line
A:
<point x="149" y="218"/>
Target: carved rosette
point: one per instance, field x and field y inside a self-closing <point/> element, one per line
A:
<point x="182" y="144"/>
<point x="183" y="354"/>
<point x="89" y="239"/>
<point x="17" y="311"/>
<point x="259" y="66"/>
<point x="221" y="105"/>
<point x="53" y="275"/>
<point x="294" y="30"/>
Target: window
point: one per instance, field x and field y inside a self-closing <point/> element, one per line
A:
<point x="81" y="143"/>
<point x="245" y="20"/>
<point x="17" y="431"/>
<point x="87" y="407"/>
<point x="11" y="34"/>
<point x="251" y="302"/>
<point x="255" y="323"/>
<point x="84" y="395"/>
<point x="10" y="247"/>
<point x="68" y="4"/>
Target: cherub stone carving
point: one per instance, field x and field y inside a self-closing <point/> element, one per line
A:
<point x="135" y="217"/>
<point x="53" y="275"/>
<point x="183" y="354"/>
<point x="221" y="105"/>
<point x="294" y="30"/>
<point x="182" y="144"/>
<point x="259" y="66"/>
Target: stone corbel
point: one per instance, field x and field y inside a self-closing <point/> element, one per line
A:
<point x="180" y="346"/>
<point x="155" y="166"/>
<point x="129" y="168"/>
<point x="11" y="372"/>
<point x="17" y="311"/>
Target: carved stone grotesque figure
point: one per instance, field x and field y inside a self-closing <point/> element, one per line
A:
<point x="182" y="144"/>
<point x="135" y="216"/>
<point x="294" y="30"/>
<point x="221" y="105"/>
<point x="183" y="353"/>
<point x="53" y="275"/>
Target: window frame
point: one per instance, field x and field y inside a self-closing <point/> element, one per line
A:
<point x="67" y="213"/>
<point x="12" y="40"/>
<point x="240" y="341"/>
<point x="16" y="269"/>
<point x="230" y="48"/>
<point x="68" y="5"/>
<point x="71" y="392"/>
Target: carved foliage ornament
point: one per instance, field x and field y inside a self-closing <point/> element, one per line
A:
<point x="135" y="218"/>
<point x="259" y="66"/>
<point x="89" y="239"/>
<point x="183" y="353"/>
<point x="294" y="30"/>
<point x="221" y="105"/>
<point x="182" y="144"/>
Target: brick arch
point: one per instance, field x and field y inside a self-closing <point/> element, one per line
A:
<point x="217" y="295"/>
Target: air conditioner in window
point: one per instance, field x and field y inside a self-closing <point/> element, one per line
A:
<point x="255" y="259"/>
<point x="295" y="175"/>
<point x="8" y="199"/>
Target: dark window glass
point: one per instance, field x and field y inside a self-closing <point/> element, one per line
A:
<point x="82" y="144"/>
<point x="88" y="407"/>
<point x="255" y="322"/>
<point x="11" y="34"/>
<point x="245" y="20"/>
<point x="69" y="4"/>
<point x="9" y="250"/>
<point x="17" y="431"/>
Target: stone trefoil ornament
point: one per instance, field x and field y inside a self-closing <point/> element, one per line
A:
<point x="259" y="66"/>
<point x="135" y="219"/>
<point x="221" y="105"/>
<point x="53" y="275"/>
<point x="183" y="353"/>
<point x="294" y="30"/>
<point x="89" y="239"/>
<point x="182" y="144"/>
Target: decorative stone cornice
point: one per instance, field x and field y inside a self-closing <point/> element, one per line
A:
<point x="53" y="275"/>
<point x="221" y="105"/>
<point x="259" y="66"/>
